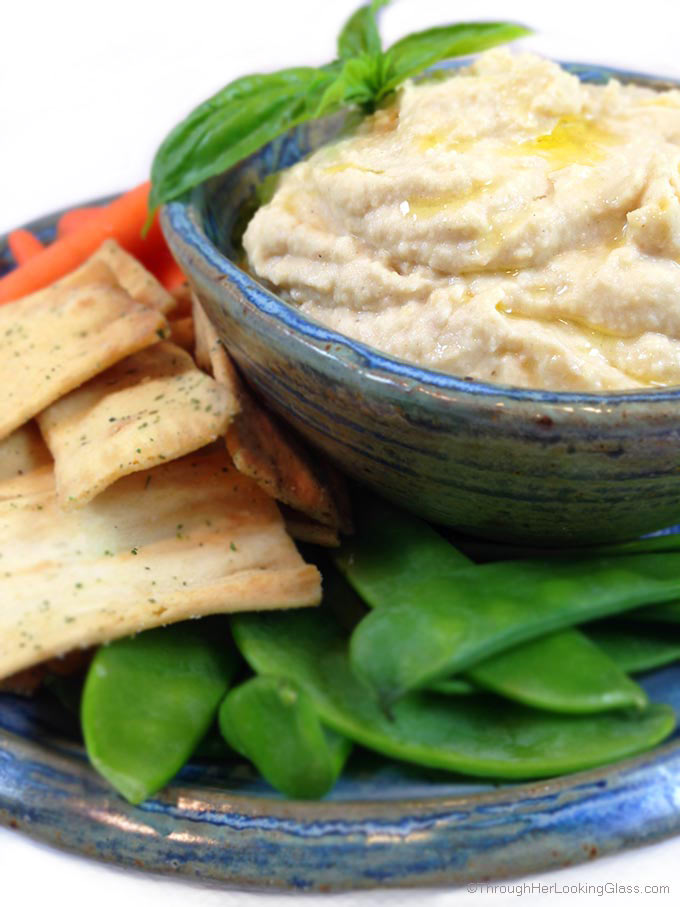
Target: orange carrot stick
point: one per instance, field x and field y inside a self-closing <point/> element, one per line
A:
<point x="73" y="220"/>
<point x="121" y="220"/>
<point x="165" y="269"/>
<point x="23" y="245"/>
<point x="172" y="276"/>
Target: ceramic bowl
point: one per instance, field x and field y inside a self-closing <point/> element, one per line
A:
<point x="385" y="824"/>
<point x="500" y="462"/>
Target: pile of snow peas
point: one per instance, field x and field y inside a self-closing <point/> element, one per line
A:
<point x="518" y="667"/>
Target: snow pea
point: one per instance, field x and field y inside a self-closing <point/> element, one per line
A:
<point x="668" y="613"/>
<point x="392" y="552"/>
<point x="453" y="686"/>
<point x="274" y="724"/>
<point x="149" y="699"/>
<point x="214" y="748"/>
<point x="67" y="690"/>
<point x="635" y="647"/>
<point x="445" y="624"/>
<point x="631" y="648"/>
<point x="581" y="677"/>
<point x="484" y="551"/>
<point x="479" y="735"/>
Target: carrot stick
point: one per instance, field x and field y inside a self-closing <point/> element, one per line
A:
<point x="73" y="220"/>
<point x="153" y="252"/>
<point x="23" y="245"/>
<point x="172" y="277"/>
<point x="121" y="220"/>
<point x="166" y="270"/>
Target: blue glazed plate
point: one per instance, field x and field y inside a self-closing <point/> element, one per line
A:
<point x="385" y="824"/>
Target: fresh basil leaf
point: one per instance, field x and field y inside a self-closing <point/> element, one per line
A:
<point x="234" y="123"/>
<point x="414" y="53"/>
<point x="360" y="34"/>
<point x="358" y="83"/>
<point x="255" y="109"/>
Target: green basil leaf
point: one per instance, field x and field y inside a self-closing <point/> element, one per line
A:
<point x="234" y="123"/>
<point x="251" y="111"/>
<point x="360" y="33"/>
<point x="416" y="52"/>
<point x="358" y="83"/>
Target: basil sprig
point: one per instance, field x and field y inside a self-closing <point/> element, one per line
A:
<point x="253" y="110"/>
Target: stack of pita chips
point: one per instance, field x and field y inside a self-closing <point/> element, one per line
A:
<point x="121" y="506"/>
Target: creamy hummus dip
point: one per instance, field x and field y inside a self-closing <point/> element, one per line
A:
<point x="508" y="223"/>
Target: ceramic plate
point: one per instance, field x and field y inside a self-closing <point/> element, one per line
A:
<point x="385" y="824"/>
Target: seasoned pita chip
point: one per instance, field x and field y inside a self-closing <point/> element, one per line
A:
<point x="205" y="336"/>
<point x="25" y="683"/>
<point x="134" y="277"/>
<point x="92" y="271"/>
<point x="267" y="451"/>
<point x="186" y="539"/>
<point x="41" y="480"/>
<point x="124" y="271"/>
<point x="151" y="407"/>
<point x="304" y="529"/>
<point x="113" y="266"/>
<point x="262" y="449"/>
<point x="182" y="333"/>
<point x="183" y="301"/>
<point x="22" y="452"/>
<point x="56" y="339"/>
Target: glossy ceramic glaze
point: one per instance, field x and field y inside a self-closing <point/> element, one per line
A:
<point x="385" y="824"/>
<point x="499" y="462"/>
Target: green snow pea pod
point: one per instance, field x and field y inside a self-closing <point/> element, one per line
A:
<point x="668" y="613"/>
<point x="67" y="690"/>
<point x="445" y="624"/>
<point x="631" y="648"/>
<point x="213" y="747"/>
<point x="393" y="552"/>
<point x="635" y="648"/>
<point x="479" y="735"/>
<point x="274" y="724"/>
<point x="453" y="686"/>
<point x="580" y="677"/>
<point x="149" y="699"/>
<point x="586" y="672"/>
<point x="483" y="551"/>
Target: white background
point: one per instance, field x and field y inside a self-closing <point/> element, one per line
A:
<point x="87" y="91"/>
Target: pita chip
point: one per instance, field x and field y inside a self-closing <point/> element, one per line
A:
<point x="149" y="408"/>
<point x="182" y="333"/>
<point x="22" y="452"/>
<point x="25" y="683"/>
<point x="92" y="271"/>
<point x="183" y="301"/>
<point x="263" y="449"/>
<point x="304" y="529"/>
<point x="128" y="273"/>
<point x="206" y="338"/>
<point x="186" y="539"/>
<point x="54" y="340"/>
<point x="266" y="450"/>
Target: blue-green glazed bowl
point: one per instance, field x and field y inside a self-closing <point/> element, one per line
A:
<point x="501" y="462"/>
<point x="384" y="825"/>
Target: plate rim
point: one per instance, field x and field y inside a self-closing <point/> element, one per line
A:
<point x="57" y="797"/>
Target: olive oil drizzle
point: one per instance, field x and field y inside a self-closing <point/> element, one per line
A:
<point x="572" y="140"/>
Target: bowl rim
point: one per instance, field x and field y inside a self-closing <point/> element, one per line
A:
<point x="184" y="217"/>
<point x="49" y="793"/>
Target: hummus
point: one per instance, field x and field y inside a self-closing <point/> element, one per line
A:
<point x="510" y="224"/>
